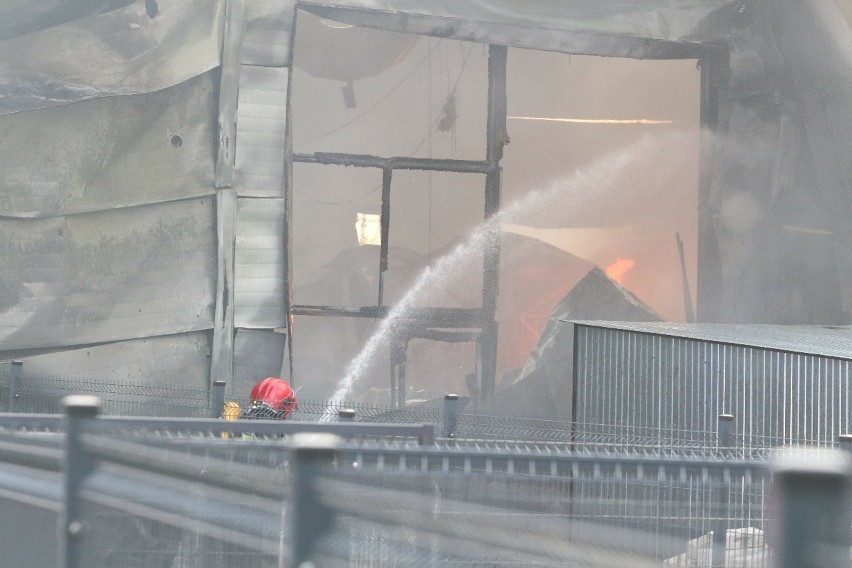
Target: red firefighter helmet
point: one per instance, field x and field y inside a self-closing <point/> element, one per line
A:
<point x="271" y="398"/>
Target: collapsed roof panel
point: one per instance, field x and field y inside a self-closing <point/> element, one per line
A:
<point x="646" y="29"/>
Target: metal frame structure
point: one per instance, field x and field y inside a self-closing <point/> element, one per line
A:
<point x="443" y="324"/>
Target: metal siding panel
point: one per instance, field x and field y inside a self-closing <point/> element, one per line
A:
<point x="643" y="380"/>
<point x="109" y="153"/>
<point x="581" y="364"/>
<point x="268" y="27"/>
<point x="261" y="131"/>
<point x="119" y="52"/>
<point x="176" y="361"/>
<point x="259" y="281"/>
<point x="107" y="276"/>
<point x="257" y="355"/>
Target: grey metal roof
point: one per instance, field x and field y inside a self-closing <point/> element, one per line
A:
<point x="827" y="341"/>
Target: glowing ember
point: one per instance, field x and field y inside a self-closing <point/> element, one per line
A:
<point x="646" y="121"/>
<point x="619" y="268"/>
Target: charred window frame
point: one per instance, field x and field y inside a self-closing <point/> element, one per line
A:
<point x="432" y="323"/>
<point x="449" y="324"/>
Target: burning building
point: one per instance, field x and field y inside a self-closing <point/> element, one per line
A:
<point x="181" y="179"/>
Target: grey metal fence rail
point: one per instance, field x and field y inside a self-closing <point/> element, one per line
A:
<point x="133" y="492"/>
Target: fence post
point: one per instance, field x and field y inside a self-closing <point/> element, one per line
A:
<point x="16" y="373"/>
<point x="725" y="430"/>
<point x="845" y="442"/>
<point x="308" y="518"/>
<point x="346" y="415"/>
<point x="813" y="510"/>
<point x="217" y="399"/>
<point x="451" y="408"/>
<point x="80" y="410"/>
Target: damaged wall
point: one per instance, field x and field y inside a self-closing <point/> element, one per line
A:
<point x="113" y="229"/>
<point x="144" y="187"/>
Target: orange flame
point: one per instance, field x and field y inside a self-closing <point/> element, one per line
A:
<point x="619" y="268"/>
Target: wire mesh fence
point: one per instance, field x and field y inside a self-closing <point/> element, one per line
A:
<point x="143" y="498"/>
<point x="174" y="491"/>
<point x="44" y="396"/>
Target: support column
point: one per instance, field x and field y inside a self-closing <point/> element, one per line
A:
<point x="709" y="290"/>
<point x="496" y="139"/>
<point x="222" y="356"/>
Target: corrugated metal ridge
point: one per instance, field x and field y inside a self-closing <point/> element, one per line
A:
<point x="826" y="341"/>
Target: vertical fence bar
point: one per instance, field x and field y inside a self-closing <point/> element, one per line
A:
<point x="725" y="428"/>
<point x="813" y="511"/>
<point x="217" y="399"/>
<point x="451" y="408"/>
<point x="79" y="411"/>
<point x="309" y="518"/>
<point x="16" y="374"/>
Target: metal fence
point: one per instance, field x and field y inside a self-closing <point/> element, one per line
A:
<point x="188" y="493"/>
<point x="450" y="417"/>
<point x="44" y="395"/>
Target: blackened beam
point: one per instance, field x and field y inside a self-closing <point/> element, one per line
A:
<point x="397" y="163"/>
<point x="430" y="317"/>
<point x="387" y="174"/>
<point x="576" y="39"/>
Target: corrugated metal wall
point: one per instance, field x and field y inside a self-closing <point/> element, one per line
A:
<point x="680" y="384"/>
<point x="113" y="228"/>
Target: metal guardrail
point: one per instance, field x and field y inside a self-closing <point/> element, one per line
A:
<point x="424" y="433"/>
<point x="197" y="494"/>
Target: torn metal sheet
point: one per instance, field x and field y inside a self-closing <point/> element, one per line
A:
<point x="20" y="18"/>
<point x="640" y="29"/>
<point x="107" y="276"/>
<point x="109" y="153"/>
<point x="222" y="363"/>
<point x="120" y="52"/>
<point x="259" y="270"/>
<point x="228" y="89"/>
<point x="175" y="360"/>
<point x="261" y="131"/>
<point x="268" y="26"/>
